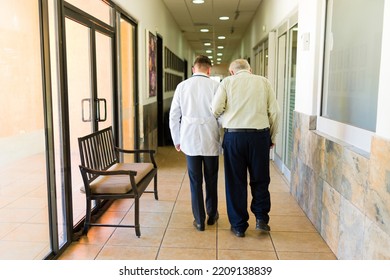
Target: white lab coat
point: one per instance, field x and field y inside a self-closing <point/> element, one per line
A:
<point x="191" y="121"/>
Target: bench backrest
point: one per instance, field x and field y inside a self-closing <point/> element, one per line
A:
<point x="97" y="151"/>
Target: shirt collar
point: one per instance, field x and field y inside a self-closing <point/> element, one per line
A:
<point x="243" y="71"/>
<point x="200" y="74"/>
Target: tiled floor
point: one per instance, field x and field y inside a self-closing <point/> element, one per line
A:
<point x="167" y="232"/>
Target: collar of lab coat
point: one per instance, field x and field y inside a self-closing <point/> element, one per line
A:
<point x="200" y="75"/>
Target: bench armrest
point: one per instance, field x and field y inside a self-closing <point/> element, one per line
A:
<point x="139" y="151"/>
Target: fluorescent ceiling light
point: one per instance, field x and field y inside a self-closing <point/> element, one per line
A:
<point x="207" y="44"/>
<point x="198" y="1"/>
<point x="204" y="30"/>
<point x="221" y="37"/>
<point x="220" y="54"/>
<point x="209" y="51"/>
<point x="224" y="18"/>
<point x="220" y="47"/>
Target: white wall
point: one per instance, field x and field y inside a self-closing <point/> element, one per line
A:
<point x="153" y="16"/>
<point x="383" y="119"/>
<point x="268" y="17"/>
<point x="309" y="78"/>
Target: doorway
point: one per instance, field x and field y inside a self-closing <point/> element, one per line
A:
<point x="89" y="95"/>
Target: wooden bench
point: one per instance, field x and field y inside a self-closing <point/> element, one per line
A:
<point x="106" y="178"/>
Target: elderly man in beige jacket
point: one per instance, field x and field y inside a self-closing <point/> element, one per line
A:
<point x="249" y="112"/>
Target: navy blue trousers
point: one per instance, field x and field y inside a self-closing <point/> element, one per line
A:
<point x="197" y="166"/>
<point x="247" y="153"/>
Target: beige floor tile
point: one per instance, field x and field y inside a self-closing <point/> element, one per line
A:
<point x="150" y="237"/>
<point x="112" y="217"/>
<point x="31" y="232"/>
<point x="121" y="205"/>
<point x="253" y="241"/>
<point x="181" y="220"/>
<point x="246" y="255"/>
<point x="78" y="251"/>
<point x="148" y="219"/>
<point x="190" y="238"/>
<point x="223" y="222"/>
<point x="305" y="256"/>
<point x="16" y="215"/>
<point x="291" y="223"/>
<point x="110" y="252"/>
<point x="17" y="250"/>
<point x="182" y="206"/>
<point x="97" y="235"/>
<point x="186" y="254"/>
<point x="278" y="187"/>
<point x="299" y="242"/>
<point x="164" y="194"/>
<point x="156" y="206"/>
<point x="6" y="228"/>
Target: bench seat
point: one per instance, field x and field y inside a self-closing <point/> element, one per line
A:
<point x="120" y="183"/>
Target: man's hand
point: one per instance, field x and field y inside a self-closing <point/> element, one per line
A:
<point x="177" y="147"/>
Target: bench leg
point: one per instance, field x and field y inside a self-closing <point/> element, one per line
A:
<point x="87" y="217"/>
<point x="155" y="187"/>
<point x="136" y="217"/>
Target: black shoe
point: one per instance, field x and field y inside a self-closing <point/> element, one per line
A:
<point x="199" y="227"/>
<point x="212" y="220"/>
<point x="261" y="225"/>
<point x="237" y="232"/>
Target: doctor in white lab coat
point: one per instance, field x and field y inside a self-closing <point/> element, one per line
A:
<point x="195" y="132"/>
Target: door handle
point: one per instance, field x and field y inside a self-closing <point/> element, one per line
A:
<point x="99" y="108"/>
<point x="86" y="104"/>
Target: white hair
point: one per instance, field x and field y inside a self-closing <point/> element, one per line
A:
<point x="239" y="64"/>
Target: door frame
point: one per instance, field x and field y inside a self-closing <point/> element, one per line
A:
<point x="73" y="13"/>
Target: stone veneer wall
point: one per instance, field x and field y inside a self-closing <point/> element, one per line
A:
<point x="344" y="192"/>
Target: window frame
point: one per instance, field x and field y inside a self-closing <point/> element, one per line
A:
<point x="347" y="134"/>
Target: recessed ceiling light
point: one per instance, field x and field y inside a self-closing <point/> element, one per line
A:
<point x="207" y="44"/>
<point x="209" y="51"/>
<point x="221" y="37"/>
<point x="224" y="18"/>
<point x="198" y="1"/>
<point x="219" y="59"/>
<point x="220" y="54"/>
<point x="204" y="30"/>
<point x="210" y="56"/>
<point x="220" y="47"/>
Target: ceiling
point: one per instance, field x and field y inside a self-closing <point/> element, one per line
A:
<point x="191" y="18"/>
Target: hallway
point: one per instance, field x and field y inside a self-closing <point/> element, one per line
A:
<point x="167" y="232"/>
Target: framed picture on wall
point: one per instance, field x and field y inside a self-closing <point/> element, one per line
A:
<point x="152" y="63"/>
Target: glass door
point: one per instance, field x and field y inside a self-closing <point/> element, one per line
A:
<point x="80" y="101"/>
<point x="89" y="68"/>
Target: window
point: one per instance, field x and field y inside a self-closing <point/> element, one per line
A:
<point x="352" y="61"/>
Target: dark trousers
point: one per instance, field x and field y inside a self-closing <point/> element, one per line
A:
<point x="247" y="152"/>
<point x="197" y="165"/>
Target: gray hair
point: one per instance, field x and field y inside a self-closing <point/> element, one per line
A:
<point x="239" y="64"/>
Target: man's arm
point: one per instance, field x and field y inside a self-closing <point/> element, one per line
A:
<point x="218" y="104"/>
<point x="175" y="120"/>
